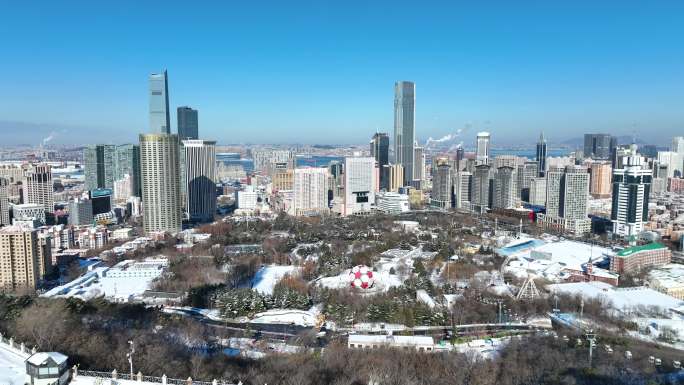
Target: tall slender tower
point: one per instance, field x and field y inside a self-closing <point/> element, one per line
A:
<point x="404" y="127"/>
<point x="541" y="155"/>
<point x="100" y="166"/>
<point x="159" y="104"/>
<point x="200" y="176"/>
<point x="379" y="149"/>
<point x="4" y="202"/>
<point x="160" y="175"/>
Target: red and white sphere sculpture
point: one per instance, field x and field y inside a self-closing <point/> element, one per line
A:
<point x="361" y="277"/>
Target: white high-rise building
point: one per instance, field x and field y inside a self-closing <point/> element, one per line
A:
<point x="631" y="188"/>
<point x="310" y="191"/>
<point x="677" y="157"/>
<point x="505" y="191"/>
<point x="405" y="127"/>
<point x="123" y="188"/>
<point x="200" y="179"/>
<point x="359" y="185"/>
<point x="482" y="150"/>
<point x="38" y="187"/>
<point x="160" y="121"/>
<point x="160" y="176"/>
<point x="567" y="194"/>
<point x="462" y="188"/>
<point x="538" y="191"/>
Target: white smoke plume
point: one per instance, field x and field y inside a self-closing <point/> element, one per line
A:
<point x="49" y="138"/>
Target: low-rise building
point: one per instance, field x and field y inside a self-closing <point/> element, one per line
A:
<point x="392" y="202"/>
<point x="637" y="257"/>
<point x="668" y="279"/>
<point x="364" y="341"/>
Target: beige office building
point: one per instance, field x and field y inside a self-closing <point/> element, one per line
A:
<point x="25" y="258"/>
<point x="601" y="174"/>
<point x="38" y="187"/>
<point x="160" y="177"/>
<point x="396" y="177"/>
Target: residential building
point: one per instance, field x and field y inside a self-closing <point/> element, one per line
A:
<point x="310" y="191"/>
<point x="441" y="184"/>
<point x="601" y="174"/>
<point x="187" y="123"/>
<point x="633" y="259"/>
<point x="631" y="189"/>
<point x="567" y="193"/>
<point x="200" y="177"/>
<point x="161" y="195"/>
<point x="482" y="186"/>
<point x="38" y="188"/>
<point x="283" y="179"/>
<point x="160" y="122"/>
<point x="25" y="258"/>
<point x="4" y="202"/>
<point x="404" y="127"/>
<point x="537" y="192"/>
<point x="505" y="191"/>
<point x="675" y="185"/>
<point x="461" y="190"/>
<point x="525" y="173"/>
<point x="359" y="185"/>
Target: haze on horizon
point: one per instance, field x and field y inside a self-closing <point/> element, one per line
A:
<point x="309" y="72"/>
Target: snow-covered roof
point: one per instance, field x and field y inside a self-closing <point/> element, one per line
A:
<point x="390" y="340"/>
<point x="41" y="358"/>
<point x="624" y="299"/>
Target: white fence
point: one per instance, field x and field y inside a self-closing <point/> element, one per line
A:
<point x="19" y="348"/>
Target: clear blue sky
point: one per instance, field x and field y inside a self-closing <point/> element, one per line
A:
<point x="323" y="72"/>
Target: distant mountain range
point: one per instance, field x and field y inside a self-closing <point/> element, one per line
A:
<point x="579" y="142"/>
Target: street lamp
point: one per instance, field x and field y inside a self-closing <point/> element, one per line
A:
<point x="129" y="355"/>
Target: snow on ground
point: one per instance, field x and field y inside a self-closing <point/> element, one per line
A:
<point x="266" y="278"/>
<point x="250" y="348"/>
<point x="623" y="299"/>
<point x="487" y="349"/>
<point x="286" y="317"/>
<point x="12" y="367"/>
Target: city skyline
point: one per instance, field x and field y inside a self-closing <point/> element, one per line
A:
<point x="511" y="71"/>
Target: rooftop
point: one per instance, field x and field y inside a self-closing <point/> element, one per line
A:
<point x="637" y="249"/>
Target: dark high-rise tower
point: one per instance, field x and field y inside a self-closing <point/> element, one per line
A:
<point x="599" y="146"/>
<point x="379" y="149"/>
<point x="404" y="127"/>
<point x="187" y="123"/>
<point x="541" y="155"/>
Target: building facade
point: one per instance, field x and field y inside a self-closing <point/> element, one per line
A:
<point x="482" y="148"/>
<point x="635" y="258"/>
<point x="404" y="127"/>
<point x="601" y="174"/>
<point x="160" y="175"/>
<point x="199" y="179"/>
<point x="359" y="185"/>
<point x="310" y="191"/>
<point x="188" y="125"/>
<point x="38" y="188"/>
<point x="541" y="156"/>
<point x="631" y="189"/>
<point x="25" y="258"/>
<point x="160" y="121"/>
<point x="100" y="166"/>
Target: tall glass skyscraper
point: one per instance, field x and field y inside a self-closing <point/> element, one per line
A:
<point x="404" y="127"/>
<point x="128" y="163"/>
<point x="541" y="155"/>
<point x="379" y="149"/>
<point x="100" y="166"/>
<point x="187" y="123"/>
<point x="160" y="122"/>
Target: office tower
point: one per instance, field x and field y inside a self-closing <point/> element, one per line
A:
<point x="677" y="157"/>
<point x="419" y="164"/>
<point x="394" y="176"/>
<point x="601" y="174"/>
<point x="441" y="184"/>
<point x="599" y="146"/>
<point x="160" y="122"/>
<point x="525" y="173"/>
<point x="404" y="127"/>
<point x="100" y="166"/>
<point x="188" y="127"/>
<point x="541" y="155"/>
<point x="38" y="187"/>
<point x="460" y="155"/>
<point x="359" y="189"/>
<point x="631" y="189"/>
<point x="379" y="149"/>
<point x="567" y="194"/>
<point x="101" y="200"/>
<point x="80" y="212"/>
<point x="505" y="191"/>
<point x="128" y="163"/>
<point x="505" y="161"/>
<point x="462" y="190"/>
<point x="537" y="192"/>
<point x="25" y="256"/>
<point x="482" y="148"/>
<point x="200" y="180"/>
<point x="4" y="202"/>
<point x="160" y="176"/>
<point x="310" y="191"/>
<point x="481" y="188"/>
